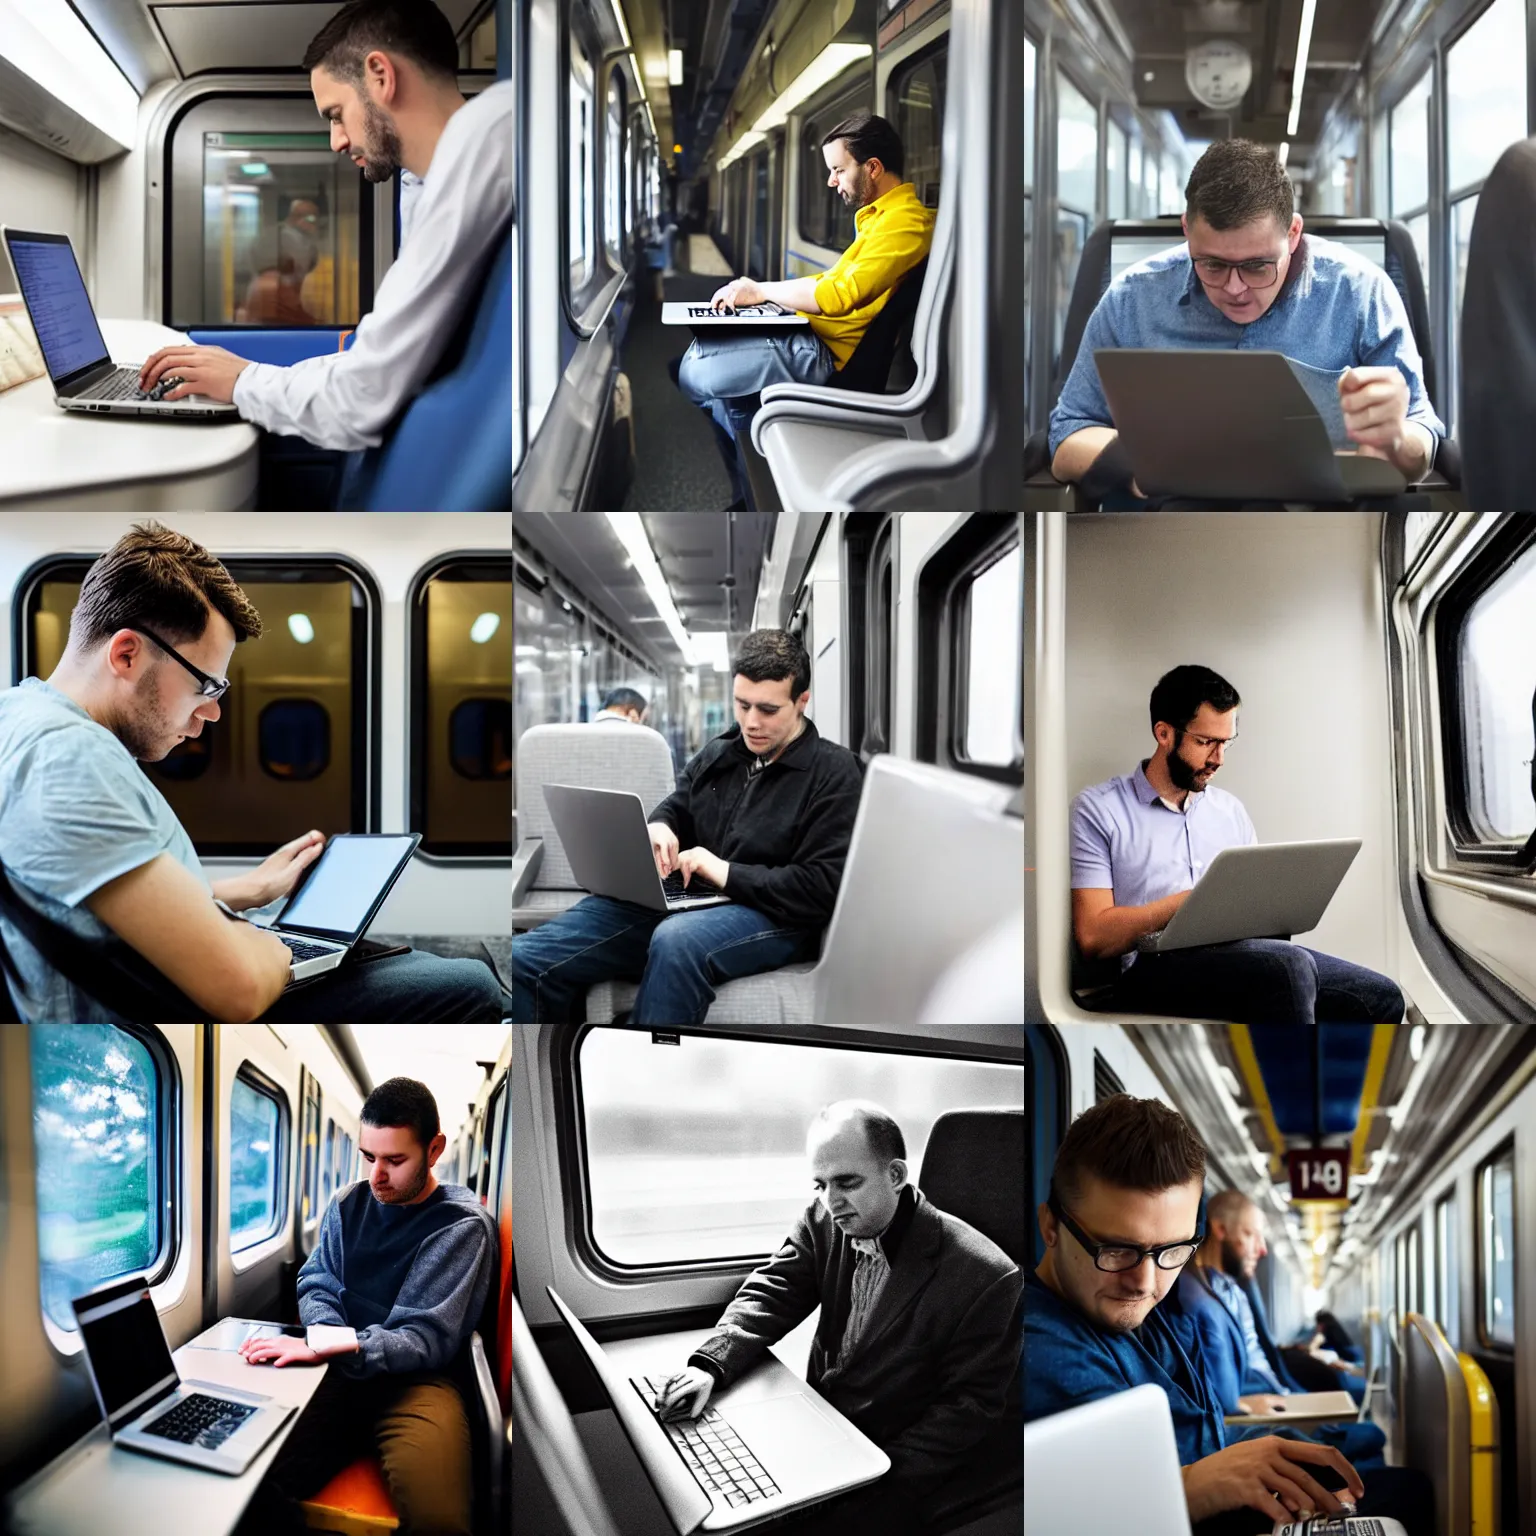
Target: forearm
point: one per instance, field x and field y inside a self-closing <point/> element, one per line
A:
<point x="1416" y="453"/>
<point x="1079" y="450"/>
<point x="236" y="893"/>
<point x="794" y="293"/>
<point x="1114" y="931"/>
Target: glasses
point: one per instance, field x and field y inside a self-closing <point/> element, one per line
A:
<point x="1114" y="1258"/>
<point x="1212" y="271"/>
<point x="209" y="687"/>
<point x="1208" y="743"/>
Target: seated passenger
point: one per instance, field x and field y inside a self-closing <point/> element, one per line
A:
<point x="723" y="370"/>
<point x="1246" y="277"/>
<point x="407" y="1263"/>
<point x="89" y="841"/>
<point x="1139" y="844"/>
<point x="1240" y="1372"/>
<point x="918" y="1339"/>
<point x="1331" y="1345"/>
<point x="1101" y="1316"/>
<point x="625" y="705"/>
<point x="384" y="74"/>
<point x="765" y="812"/>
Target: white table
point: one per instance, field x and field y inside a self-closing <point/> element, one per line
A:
<point x="70" y="460"/>
<point x="95" y="1487"/>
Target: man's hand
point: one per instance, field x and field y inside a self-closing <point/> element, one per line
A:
<point x="685" y="1395"/>
<point x="663" y="846"/>
<point x="208" y="371"/>
<point x="278" y="1351"/>
<point x="1375" y="406"/>
<point x="1267" y="1474"/>
<point x="740" y="291"/>
<point x="275" y="876"/>
<point x="700" y="861"/>
<point x="1262" y="1402"/>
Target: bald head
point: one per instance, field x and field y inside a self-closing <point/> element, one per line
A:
<point x="1228" y="1205"/>
<point x="858" y="1165"/>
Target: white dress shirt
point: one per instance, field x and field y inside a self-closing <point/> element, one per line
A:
<point x="450" y="223"/>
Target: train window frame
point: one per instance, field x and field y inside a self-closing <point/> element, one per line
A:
<point x="840" y="100"/>
<point x="489" y="1131"/>
<point x="615" y="194"/>
<point x="869" y="558"/>
<point x="328" y="1164"/>
<point x="1504" y="1153"/>
<point x="574" y="1160"/>
<point x="1443" y="1214"/>
<point x="249" y="1251"/>
<point x="497" y="1117"/>
<point x="311" y="1109"/>
<point x="1470" y="846"/>
<point x="934" y="53"/>
<point x="366" y="725"/>
<point x="496" y="565"/>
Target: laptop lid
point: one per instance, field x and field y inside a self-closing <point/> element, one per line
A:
<point x="605" y="841"/>
<point x="60" y="308"/>
<point x="344" y="888"/>
<point x="131" y="1366"/>
<point x="686" y="1504"/>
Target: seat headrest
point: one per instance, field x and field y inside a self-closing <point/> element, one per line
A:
<point x="971" y="1170"/>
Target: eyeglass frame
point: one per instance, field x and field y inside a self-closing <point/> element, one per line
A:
<point x="1093" y="1249"/>
<point x="213" y="688"/>
<point x="1237" y="266"/>
<point x="1210" y="742"/>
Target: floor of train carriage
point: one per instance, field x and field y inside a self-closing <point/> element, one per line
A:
<point x="677" y="465"/>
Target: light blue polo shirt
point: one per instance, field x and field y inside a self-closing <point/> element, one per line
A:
<point x="1126" y="839"/>
<point x="1337" y="309"/>
<point x="76" y="811"/>
<point x="1230" y="1294"/>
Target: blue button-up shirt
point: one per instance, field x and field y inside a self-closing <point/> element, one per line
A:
<point x="1336" y="310"/>
<point x="1127" y="839"/>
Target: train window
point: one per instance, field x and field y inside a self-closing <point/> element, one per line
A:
<point x="613" y="171"/>
<point x="102" y="1131"/>
<point x="328" y="1164"/>
<point x="695" y="1150"/>
<point x="309" y="1175"/>
<point x="1134" y="196"/>
<point x="759" y="172"/>
<point x="500" y="1099"/>
<point x="917" y="86"/>
<point x="1029" y="204"/>
<point x="320" y="620"/>
<point x="461" y="711"/>
<point x="1408" y="132"/>
<point x="1077" y="162"/>
<point x="824" y="221"/>
<point x="580" y="189"/>
<point x="1114" y="171"/>
<point x="1463" y="212"/>
<point x="1484" y="98"/>
<point x="988" y="634"/>
<point x="1496" y="1249"/>
<point x="256" y="1116"/>
<point x="1447" y="1275"/>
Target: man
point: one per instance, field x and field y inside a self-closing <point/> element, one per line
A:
<point x="407" y="1263"/>
<point x="88" y="839"/>
<point x="917" y="1343"/>
<point x="721" y="371"/>
<point x="1122" y="1220"/>
<point x="623" y="704"/>
<point x="765" y="813"/>
<point x="384" y="74"/>
<point x="1139" y="844"/>
<point x="1247" y="278"/>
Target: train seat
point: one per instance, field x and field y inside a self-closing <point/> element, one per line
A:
<point x="1119" y="243"/>
<point x="969" y="1170"/>
<point x="632" y="758"/>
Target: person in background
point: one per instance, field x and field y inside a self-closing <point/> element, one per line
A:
<point x="623" y="704"/>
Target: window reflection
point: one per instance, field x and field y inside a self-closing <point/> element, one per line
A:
<point x="919" y="119"/>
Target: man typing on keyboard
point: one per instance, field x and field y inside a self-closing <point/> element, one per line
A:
<point x="918" y="1340"/>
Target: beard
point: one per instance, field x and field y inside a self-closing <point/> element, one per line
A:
<point x="1183" y="776"/>
<point x="381" y="144"/>
<point x="148" y="735"/>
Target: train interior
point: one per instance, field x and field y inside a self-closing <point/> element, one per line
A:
<point x="203" y="1157"/>
<point x="1419" y="1254"/>
<point x="179" y="148"/>
<point x="646" y="1173"/>
<point x="1384" y="664"/>
<point x="689" y="151"/>
<point x="910" y="620"/>
<point x="377" y="699"/>
<point x="1388" y="115"/>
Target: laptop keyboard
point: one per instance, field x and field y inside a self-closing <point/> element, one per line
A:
<point x="304" y="950"/>
<point x="714" y="1453"/>
<point x="675" y="890"/>
<point x="122" y="385"/>
<point x="201" y="1420"/>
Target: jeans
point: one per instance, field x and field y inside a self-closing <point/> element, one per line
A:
<point x="1260" y="981"/>
<point x="416" y="988"/>
<point x="723" y="374"/>
<point x="679" y="958"/>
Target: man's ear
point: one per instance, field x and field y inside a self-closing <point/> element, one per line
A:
<point x="435" y="1150"/>
<point x="898" y="1172"/>
<point x="1047" y="1224"/>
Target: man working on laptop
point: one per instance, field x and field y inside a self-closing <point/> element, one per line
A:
<point x="1122" y="1220"/>
<point x="1139" y="844"/>
<point x="721" y="373"/>
<point x="88" y="840"/>
<point x="1246" y="277"/>
<point x="408" y="1263"/>
<point x="764" y="812"/>
<point x="918" y="1341"/>
<point x="384" y="74"/>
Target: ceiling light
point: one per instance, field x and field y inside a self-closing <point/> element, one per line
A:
<point x="632" y="535"/>
<point x="300" y="628"/>
<point x="674" y="66"/>
<point x="1303" y="48"/>
<point x="1416" y="1041"/>
<point x="484" y="627"/>
<point x="1285" y="152"/>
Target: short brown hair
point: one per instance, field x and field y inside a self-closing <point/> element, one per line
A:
<point x="157" y="577"/>
<point x="1236" y="182"/>
<point x="869" y="137"/>
<point x="1130" y="1143"/>
<point x="413" y="29"/>
<point x="771" y="655"/>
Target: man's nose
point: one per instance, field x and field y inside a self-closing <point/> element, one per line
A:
<point x="1234" y="284"/>
<point x="209" y="711"/>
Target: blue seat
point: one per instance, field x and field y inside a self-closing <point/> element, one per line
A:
<point x="451" y="448"/>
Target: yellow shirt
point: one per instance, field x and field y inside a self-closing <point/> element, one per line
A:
<point x="894" y="233"/>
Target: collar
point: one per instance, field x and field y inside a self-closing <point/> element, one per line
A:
<point x="902" y="192"/>
<point x="798" y="754"/>
<point x="1299" y="278"/>
<point x="890" y="1240"/>
<point x="1146" y="791"/>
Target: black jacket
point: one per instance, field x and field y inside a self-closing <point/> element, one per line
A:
<point x="784" y="831"/>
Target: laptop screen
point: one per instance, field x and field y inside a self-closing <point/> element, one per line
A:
<point x="59" y="305"/>
<point x="127" y="1349"/>
<point x="344" y="885"/>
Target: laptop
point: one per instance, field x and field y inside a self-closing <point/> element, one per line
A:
<point x="1263" y="891"/>
<point x="765" y="1445"/>
<point x="1307" y="1408"/>
<point x="604" y="837"/>
<point x="1230" y="426"/>
<point x="84" y="376"/>
<point x="146" y="1404"/>
<point x="748" y="315"/>
<point x="338" y="896"/>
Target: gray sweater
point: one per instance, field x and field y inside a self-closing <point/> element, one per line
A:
<point x="411" y="1279"/>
